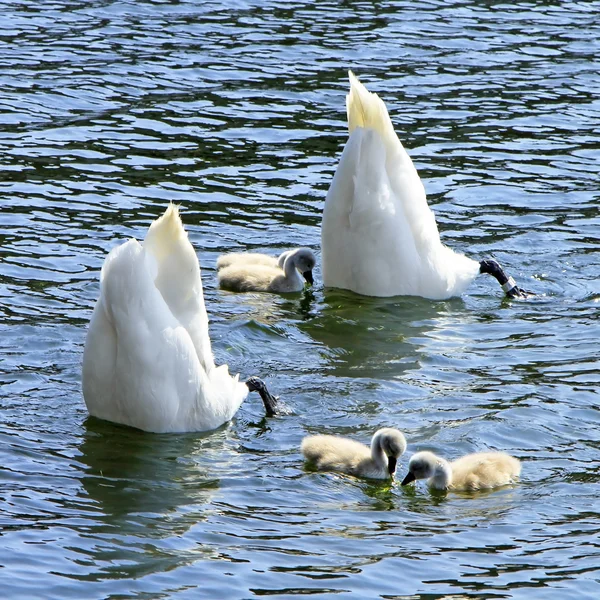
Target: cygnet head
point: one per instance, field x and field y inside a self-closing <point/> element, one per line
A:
<point x="304" y="261"/>
<point x="424" y="465"/>
<point x="393" y="444"/>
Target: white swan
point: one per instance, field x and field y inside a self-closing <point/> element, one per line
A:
<point x="333" y="453"/>
<point x="379" y="237"/>
<point x="147" y="360"/>
<point x="481" y="470"/>
<point x="243" y="276"/>
<point x="251" y="258"/>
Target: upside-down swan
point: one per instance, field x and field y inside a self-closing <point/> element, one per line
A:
<point x="334" y="453"/>
<point x="257" y="277"/>
<point x="379" y="237"/>
<point x="481" y="470"/>
<point x="147" y="360"/>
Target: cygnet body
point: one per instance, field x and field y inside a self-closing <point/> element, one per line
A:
<point x="251" y="258"/>
<point x="478" y="471"/>
<point x="257" y="277"/>
<point x="333" y="453"/>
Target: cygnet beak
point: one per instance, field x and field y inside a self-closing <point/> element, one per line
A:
<point x="392" y="460"/>
<point x="408" y="479"/>
<point x="308" y="277"/>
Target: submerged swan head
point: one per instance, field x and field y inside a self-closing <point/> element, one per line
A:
<point x="387" y="446"/>
<point x="151" y="312"/>
<point x="302" y="259"/>
<point x="426" y="465"/>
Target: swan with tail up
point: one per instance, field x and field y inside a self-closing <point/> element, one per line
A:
<point x="379" y="237"/>
<point x="147" y="360"/>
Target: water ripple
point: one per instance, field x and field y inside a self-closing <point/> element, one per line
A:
<point x="112" y="108"/>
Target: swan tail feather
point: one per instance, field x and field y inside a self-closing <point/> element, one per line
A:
<point x="366" y="109"/>
<point x="166" y="231"/>
<point x="179" y="279"/>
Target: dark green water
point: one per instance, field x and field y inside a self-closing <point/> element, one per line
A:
<point x="109" y="110"/>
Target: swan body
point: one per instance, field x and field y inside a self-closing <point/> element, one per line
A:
<point x="481" y="470"/>
<point x="259" y="277"/>
<point x="333" y="453"/>
<point x="147" y="360"/>
<point x="379" y="237"/>
<point x="251" y="258"/>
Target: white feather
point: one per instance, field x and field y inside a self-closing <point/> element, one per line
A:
<point x="147" y="360"/>
<point x="379" y="237"/>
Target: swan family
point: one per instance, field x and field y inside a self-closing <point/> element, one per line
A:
<point x="148" y="361"/>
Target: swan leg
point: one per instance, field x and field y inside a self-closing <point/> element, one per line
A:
<point x="510" y="287"/>
<point x="255" y="384"/>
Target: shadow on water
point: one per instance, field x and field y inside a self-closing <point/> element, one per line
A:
<point x="149" y="491"/>
<point x="136" y="476"/>
<point x="373" y="337"/>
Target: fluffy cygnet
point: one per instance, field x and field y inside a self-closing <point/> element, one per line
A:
<point x="482" y="470"/>
<point x="332" y="453"/>
<point x="256" y="277"/>
<point x="251" y="258"/>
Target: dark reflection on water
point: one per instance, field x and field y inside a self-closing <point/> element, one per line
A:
<point x="374" y="337"/>
<point x="148" y="490"/>
<point x="122" y="466"/>
<point x="111" y="109"/>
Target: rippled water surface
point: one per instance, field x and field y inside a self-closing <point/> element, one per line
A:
<point x="109" y="110"/>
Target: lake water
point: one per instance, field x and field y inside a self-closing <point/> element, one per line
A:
<point x="236" y="111"/>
